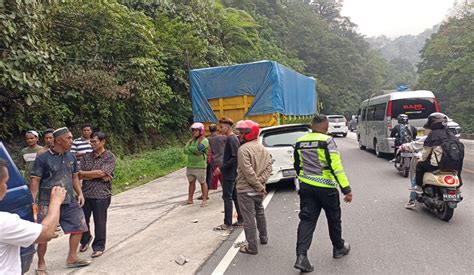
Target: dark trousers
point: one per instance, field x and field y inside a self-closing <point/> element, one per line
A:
<point x="253" y="210"/>
<point x="97" y="207"/>
<point x="421" y="168"/>
<point x="229" y="194"/>
<point x="209" y="176"/>
<point x="312" y="200"/>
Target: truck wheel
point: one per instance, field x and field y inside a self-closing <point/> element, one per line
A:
<point x="445" y="213"/>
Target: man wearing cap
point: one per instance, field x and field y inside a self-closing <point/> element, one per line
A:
<point x="58" y="167"/>
<point x="29" y="153"/>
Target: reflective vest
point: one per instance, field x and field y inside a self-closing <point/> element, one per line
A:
<point x="312" y="166"/>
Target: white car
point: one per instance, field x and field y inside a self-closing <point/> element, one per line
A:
<point x="280" y="141"/>
<point x="337" y="125"/>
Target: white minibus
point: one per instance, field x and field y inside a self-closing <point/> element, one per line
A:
<point x="378" y="115"/>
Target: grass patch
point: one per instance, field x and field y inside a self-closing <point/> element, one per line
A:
<point x="136" y="170"/>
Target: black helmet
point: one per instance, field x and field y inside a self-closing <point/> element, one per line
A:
<point x="436" y="121"/>
<point x="402" y="119"/>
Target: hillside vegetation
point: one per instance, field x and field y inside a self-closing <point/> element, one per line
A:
<point x="122" y="65"/>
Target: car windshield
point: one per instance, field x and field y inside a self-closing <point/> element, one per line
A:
<point x="283" y="137"/>
<point x="336" y="119"/>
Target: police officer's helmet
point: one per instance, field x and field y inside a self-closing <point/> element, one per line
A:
<point x="402" y="119"/>
<point x="436" y="121"/>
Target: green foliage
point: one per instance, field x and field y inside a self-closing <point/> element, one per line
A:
<point x="123" y="65"/>
<point x="447" y="68"/>
<point x="136" y="170"/>
<point x="26" y="66"/>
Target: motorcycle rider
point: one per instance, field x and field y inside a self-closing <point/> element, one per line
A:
<point x="417" y="146"/>
<point x="437" y="123"/>
<point x="403" y="132"/>
<point x="414" y="146"/>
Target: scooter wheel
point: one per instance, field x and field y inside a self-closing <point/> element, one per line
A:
<point x="445" y="213"/>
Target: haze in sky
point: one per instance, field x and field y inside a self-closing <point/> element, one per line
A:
<point x="395" y="17"/>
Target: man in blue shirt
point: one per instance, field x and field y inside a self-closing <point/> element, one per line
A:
<point x="58" y="167"/>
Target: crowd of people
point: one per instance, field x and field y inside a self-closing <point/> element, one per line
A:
<point x="70" y="181"/>
<point x="243" y="166"/>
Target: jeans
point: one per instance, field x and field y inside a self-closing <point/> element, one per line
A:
<point x="253" y="210"/>
<point x="413" y="193"/>
<point x="229" y="194"/>
<point x="312" y="200"/>
<point x="97" y="207"/>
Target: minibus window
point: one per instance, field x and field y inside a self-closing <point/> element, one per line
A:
<point x="370" y="113"/>
<point x="415" y="108"/>
<point x="380" y="112"/>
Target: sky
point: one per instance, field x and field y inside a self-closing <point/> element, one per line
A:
<point x="395" y="17"/>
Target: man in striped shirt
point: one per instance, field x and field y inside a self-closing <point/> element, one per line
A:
<point x="82" y="145"/>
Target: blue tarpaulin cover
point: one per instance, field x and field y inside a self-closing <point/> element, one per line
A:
<point x="277" y="89"/>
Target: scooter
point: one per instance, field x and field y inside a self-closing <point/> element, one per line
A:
<point x="441" y="190"/>
<point x="441" y="193"/>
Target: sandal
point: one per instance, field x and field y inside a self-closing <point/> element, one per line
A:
<point x="187" y="203"/>
<point x="79" y="263"/>
<point x="39" y="271"/>
<point x="222" y="227"/>
<point x="84" y="247"/>
<point x="244" y="249"/>
<point x="238" y="224"/>
<point x="204" y="204"/>
<point x="97" y="253"/>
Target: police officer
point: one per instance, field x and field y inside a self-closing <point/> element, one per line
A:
<point x="319" y="168"/>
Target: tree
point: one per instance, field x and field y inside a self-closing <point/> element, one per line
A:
<point x="447" y="68"/>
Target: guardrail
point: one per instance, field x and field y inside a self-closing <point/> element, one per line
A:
<point x="467" y="136"/>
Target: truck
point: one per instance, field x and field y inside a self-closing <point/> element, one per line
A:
<point x="263" y="91"/>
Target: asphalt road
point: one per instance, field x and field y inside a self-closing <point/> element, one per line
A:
<point x="385" y="237"/>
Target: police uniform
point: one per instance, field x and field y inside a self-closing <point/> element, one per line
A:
<point x="319" y="169"/>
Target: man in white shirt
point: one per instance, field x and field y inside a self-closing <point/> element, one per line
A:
<point x="16" y="233"/>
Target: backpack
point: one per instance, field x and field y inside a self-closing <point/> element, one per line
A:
<point x="453" y="155"/>
<point x="404" y="134"/>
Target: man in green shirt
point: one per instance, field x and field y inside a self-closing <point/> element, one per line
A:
<point x="196" y="149"/>
<point x="29" y="153"/>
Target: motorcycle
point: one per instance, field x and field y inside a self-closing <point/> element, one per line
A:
<point x="441" y="190"/>
<point x="403" y="157"/>
<point x="402" y="161"/>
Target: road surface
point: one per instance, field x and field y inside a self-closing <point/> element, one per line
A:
<point x="385" y="237"/>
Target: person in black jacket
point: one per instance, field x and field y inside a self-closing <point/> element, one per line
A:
<point x="432" y="151"/>
<point x="229" y="172"/>
<point x="403" y="132"/>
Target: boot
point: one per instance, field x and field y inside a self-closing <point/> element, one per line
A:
<point x="303" y="264"/>
<point x="341" y="252"/>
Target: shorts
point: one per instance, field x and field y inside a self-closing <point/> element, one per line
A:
<point x="198" y="174"/>
<point x="71" y="217"/>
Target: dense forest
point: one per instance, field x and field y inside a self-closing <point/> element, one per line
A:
<point x="447" y="66"/>
<point x="122" y="64"/>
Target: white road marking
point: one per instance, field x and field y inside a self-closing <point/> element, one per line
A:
<point x="230" y="255"/>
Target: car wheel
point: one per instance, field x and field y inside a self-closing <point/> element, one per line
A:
<point x="361" y="147"/>
<point x="377" y="149"/>
<point x="344" y="135"/>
